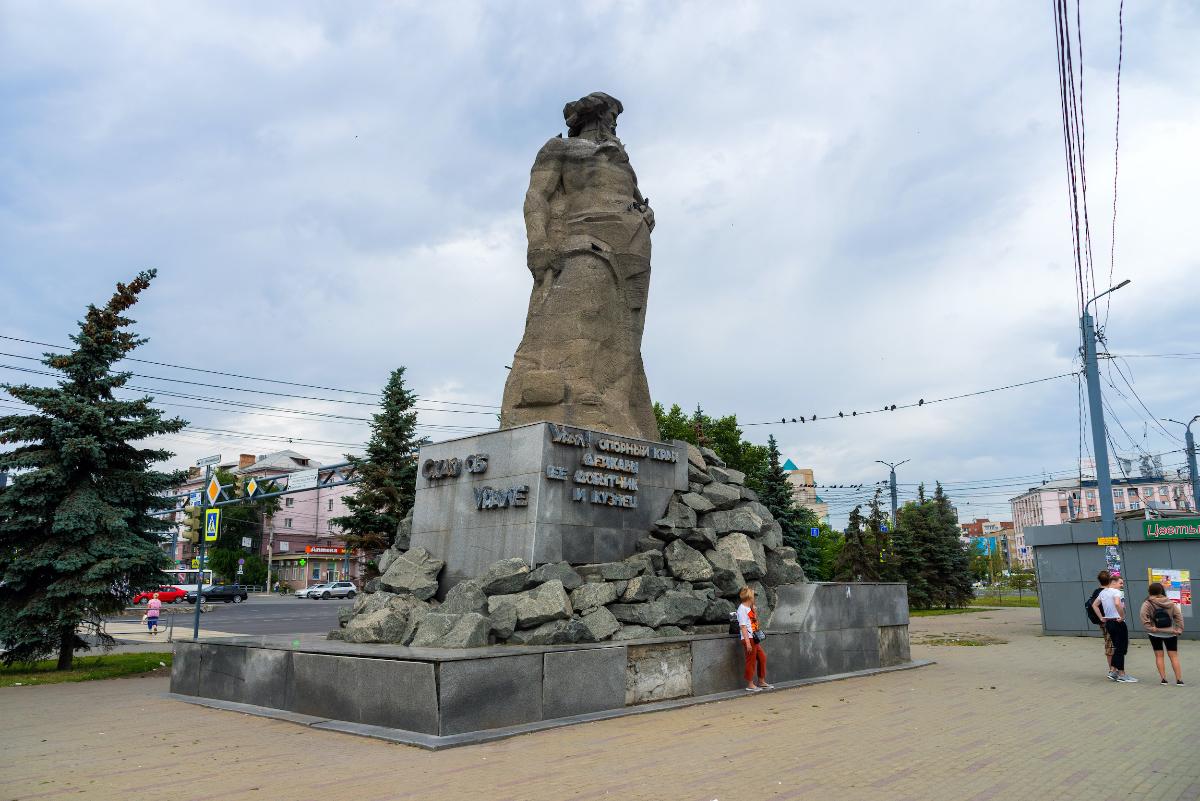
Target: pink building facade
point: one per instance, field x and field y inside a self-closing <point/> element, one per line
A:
<point x="300" y="531"/>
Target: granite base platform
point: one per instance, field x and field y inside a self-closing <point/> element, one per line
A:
<point x="437" y="698"/>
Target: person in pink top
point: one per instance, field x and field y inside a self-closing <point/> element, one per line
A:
<point x="152" y="610"/>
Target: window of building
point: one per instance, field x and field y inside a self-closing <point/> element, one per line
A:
<point x="283" y="546"/>
<point x="1162" y="491"/>
<point x="316" y="573"/>
<point x="1135" y="505"/>
<point x="1120" y="505"/>
<point x="287" y="522"/>
<point x="331" y="502"/>
<point x="1091" y="507"/>
<point x="330" y="526"/>
<point x="1118" y="493"/>
<point x="289" y="501"/>
<point x="1133" y="490"/>
<point x="1091" y="495"/>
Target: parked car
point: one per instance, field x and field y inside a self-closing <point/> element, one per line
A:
<point x="307" y="592"/>
<point x="336" y="589"/>
<point x="168" y="595"/>
<point x="229" y="593"/>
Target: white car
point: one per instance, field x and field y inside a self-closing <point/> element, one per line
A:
<point x="312" y="592"/>
<point x="336" y="589"/>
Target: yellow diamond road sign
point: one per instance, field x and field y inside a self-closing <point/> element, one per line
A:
<point x="251" y="487"/>
<point x="214" y="489"/>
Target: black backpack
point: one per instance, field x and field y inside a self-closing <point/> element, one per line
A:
<point x="734" y="629"/>
<point x="1091" y="613"/>
<point x="1162" y="618"/>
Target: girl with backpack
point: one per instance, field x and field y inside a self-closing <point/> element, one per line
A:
<point x="1163" y="621"/>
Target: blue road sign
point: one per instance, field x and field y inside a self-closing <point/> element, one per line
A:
<point x="212" y="524"/>
<point x="883" y="529"/>
<point x="814" y="532"/>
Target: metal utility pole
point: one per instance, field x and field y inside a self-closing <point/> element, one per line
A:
<point x="892" y="484"/>
<point x="1108" y="522"/>
<point x="1189" y="446"/>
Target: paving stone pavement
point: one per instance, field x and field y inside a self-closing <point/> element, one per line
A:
<point x="1028" y="719"/>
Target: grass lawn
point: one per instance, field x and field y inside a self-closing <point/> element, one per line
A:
<point x="85" y="668"/>
<point x="940" y="612"/>
<point x="991" y="600"/>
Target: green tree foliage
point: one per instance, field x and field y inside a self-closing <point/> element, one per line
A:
<point x="928" y="554"/>
<point x="78" y="530"/>
<point x="985" y="567"/>
<point x="859" y="559"/>
<point x="388" y="472"/>
<point x="1023" y="581"/>
<point x="777" y="495"/>
<point x="879" y="541"/>
<point x="829" y="543"/>
<point x="722" y="434"/>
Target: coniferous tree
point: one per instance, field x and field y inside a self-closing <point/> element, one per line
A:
<point x="388" y="471"/>
<point x="954" y="564"/>
<point x="796" y="520"/>
<point x="78" y="531"/>
<point x="880" y="541"/>
<point x="856" y="561"/>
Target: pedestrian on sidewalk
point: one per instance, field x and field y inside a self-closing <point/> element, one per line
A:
<point x="152" y="610"/>
<point x="1110" y="607"/>
<point x="752" y="636"/>
<point x="1163" y="621"/>
<point x="1103" y="578"/>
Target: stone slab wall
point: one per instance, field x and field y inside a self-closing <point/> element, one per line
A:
<point x="542" y="493"/>
<point x="445" y="692"/>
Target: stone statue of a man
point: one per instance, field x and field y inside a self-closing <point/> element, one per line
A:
<point x="580" y="361"/>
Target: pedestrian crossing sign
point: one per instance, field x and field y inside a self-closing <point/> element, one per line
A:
<point x="212" y="524"/>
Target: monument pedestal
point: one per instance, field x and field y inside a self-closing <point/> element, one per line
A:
<point x="441" y="697"/>
<point x="543" y="493"/>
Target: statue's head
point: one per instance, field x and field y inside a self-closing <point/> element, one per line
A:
<point x="594" y="108"/>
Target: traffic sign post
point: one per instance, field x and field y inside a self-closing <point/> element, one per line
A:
<point x="814" y="532"/>
<point x="213" y="515"/>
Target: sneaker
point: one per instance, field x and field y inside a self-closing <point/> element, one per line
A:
<point x="1127" y="678"/>
<point x="753" y="690"/>
<point x="1178" y="683"/>
<point x="1112" y="675"/>
<point x="1162" y="681"/>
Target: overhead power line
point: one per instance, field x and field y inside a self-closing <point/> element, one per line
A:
<point x="842" y="415"/>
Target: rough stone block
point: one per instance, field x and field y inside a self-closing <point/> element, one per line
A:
<point x="609" y="571"/>
<point x="634" y="632"/>
<point x="600" y="624"/>
<point x="686" y="563"/>
<point x="440" y="630"/>
<point x="589" y="596"/>
<point x="643" y="588"/>
<point x="733" y="520"/>
<point x="476" y="694"/>
<point x="554" y="632"/>
<point x="682" y="608"/>
<point x="505" y="577"/>
<point x="415" y="573"/>
<point x="658" y="672"/>
<point x="721" y="496"/>
<point x="727" y="576"/>
<point x="465" y="597"/>
<point x="578" y="682"/>
<point x="650" y="614"/>
<point x="361" y="690"/>
<point x="558" y="570"/>
<point x="697" y="502"/>
<point x="749" y="554"/>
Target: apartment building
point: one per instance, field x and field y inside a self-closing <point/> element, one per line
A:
<point x="300" y="539"/>
<point x="804" y="489"/>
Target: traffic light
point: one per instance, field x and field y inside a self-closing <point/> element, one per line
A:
<point x="192" y="524"/>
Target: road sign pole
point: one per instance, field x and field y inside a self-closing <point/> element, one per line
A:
<point x="200" y="576"/>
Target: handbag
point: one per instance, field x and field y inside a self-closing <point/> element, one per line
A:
<point x="759" y="635"/>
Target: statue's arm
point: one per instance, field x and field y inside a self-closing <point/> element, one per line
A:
<point x="543" y="181"/>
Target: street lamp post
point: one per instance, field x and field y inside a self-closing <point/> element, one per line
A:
<point x="1190" y="446"/>
<point x="892" y="484"/>
<point x="1108" y="522"/>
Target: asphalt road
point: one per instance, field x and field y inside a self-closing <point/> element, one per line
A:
<point x="261" y="614"/>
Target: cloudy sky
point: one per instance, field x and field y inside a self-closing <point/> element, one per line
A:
<point x="858" y="205"/>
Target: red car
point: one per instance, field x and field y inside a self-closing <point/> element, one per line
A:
<point x="168" y="595"/>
